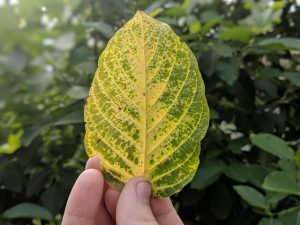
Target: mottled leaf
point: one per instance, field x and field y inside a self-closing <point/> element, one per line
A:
<point x="146" y="112"/>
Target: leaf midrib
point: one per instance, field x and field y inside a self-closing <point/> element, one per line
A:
<point x="144" y="133"/>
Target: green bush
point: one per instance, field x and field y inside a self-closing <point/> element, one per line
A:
<point x="249" y="55"/>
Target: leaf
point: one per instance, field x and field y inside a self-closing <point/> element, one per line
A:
<point x="273" y="145"/>
<point x="253" y="174"/>
<point x="269" y="221"/>
<point x="70" y="114"/>
<point x="78" y="92"/>
<point x="237" y="172"/>
<point x="209" y="61"/>
<point x="36" y="183"/>
<point x="53" y="199"/>
<point x="256" y="174"/>
<point x="146" y="111"/>
<point x="27" y="210"/>
<point x="281" y="182"/>
<point x="229" y="70"/>
<point x="274" y="197"/>
<point x="252" y="196"/>
<point x="16" y="61"/>
<point x="220" y="201"/>
<point x="223" y="49"/>
<point x="14" y="142"/>
<point x="105" y="29"/>
<point x="281" y="43"/>
<point x="9" y="172"/>
<point x="71" y="118"/>
<point x="290" y="216"/>
<point x="65" y="42"/>
<point x="241" y="34"/>
<point x="293" y="77"/>
<point x="205" y="176"/>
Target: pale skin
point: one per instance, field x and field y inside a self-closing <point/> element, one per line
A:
<point x="93" y="202"/>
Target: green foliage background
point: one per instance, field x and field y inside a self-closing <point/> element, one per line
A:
<point x="249" y="55"/>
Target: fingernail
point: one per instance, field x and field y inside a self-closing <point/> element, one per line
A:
<point x="143" y="190"/>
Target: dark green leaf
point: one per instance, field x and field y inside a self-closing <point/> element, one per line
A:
<point x="281" y="182"/>
<point x="256" y="174"/>
<point x="237" y="172"/>
<point x="269" y="221"/>
<point x="27" y="210"/>
<point x="36" y="183"/>
<point x="274" y="197"/>
<point x="290" y="216"/>
<point x="220" y="201"/>
<point x="229" y="71"/>
<point x="52" y="199"/>
<point x="12" y="178"/>
<point x="205" y="176"/>
<point x="281" y="43"/>
<point x="293" y="77"/>
<point x="252" y="196"/>
<point x="273" y="145"/>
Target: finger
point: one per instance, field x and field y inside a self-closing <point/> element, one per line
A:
<point x="84" y="200"/>
<point x="111" y="199"/>
<point x="133" y="206"/>
<point x="164" y="212"/>
<point x="93" y="163"/>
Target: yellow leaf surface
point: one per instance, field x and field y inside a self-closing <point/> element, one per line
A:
<point x="146" y="112"/>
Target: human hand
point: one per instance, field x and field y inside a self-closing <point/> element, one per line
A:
<point x="93" y="202"/>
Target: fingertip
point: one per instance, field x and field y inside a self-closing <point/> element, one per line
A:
<point x="93" y="163"/>
<point x="135" y="195"/>
<point x="85" y="197"/>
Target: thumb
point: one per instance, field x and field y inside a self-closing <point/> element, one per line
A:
<point x="133" y="207"/>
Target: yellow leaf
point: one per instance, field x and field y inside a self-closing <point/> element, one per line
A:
<point x="146" y="112"/>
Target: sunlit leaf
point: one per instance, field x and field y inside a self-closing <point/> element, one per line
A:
<point x="13" y="143"/>
<point x="237" y="34"/>
<point x="146" y="111"/>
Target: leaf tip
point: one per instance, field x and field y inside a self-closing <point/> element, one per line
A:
<point x="141" y="13"/>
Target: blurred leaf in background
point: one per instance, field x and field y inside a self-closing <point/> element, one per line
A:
<point x="249" y="55"/>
